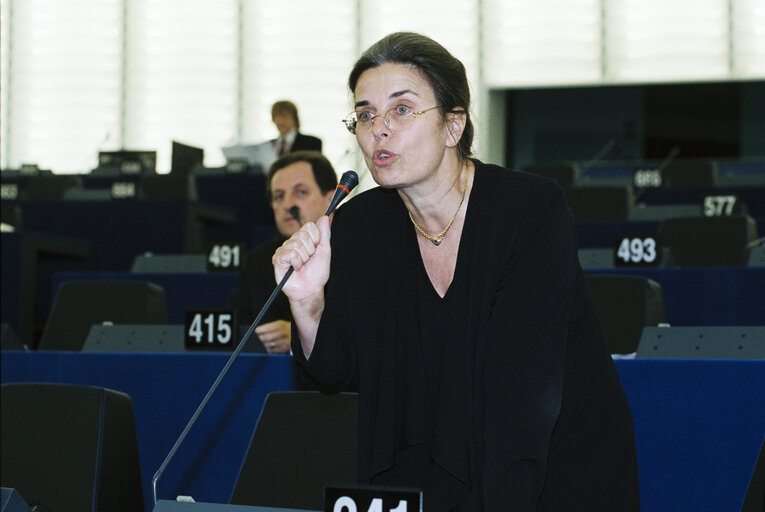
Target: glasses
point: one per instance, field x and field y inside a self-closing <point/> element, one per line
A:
<point x="398" y="118"/>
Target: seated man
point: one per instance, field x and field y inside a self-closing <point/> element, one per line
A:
<point x="303" y="179"/>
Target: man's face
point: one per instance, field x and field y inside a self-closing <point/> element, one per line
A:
<point x="284" y="122"/>
<point x="295" y="185"/>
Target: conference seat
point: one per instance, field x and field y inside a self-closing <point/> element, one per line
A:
<point x="567" y="175"/>
<point x="754" y="500"/>
<point x="50" y="187"/>
<point x="70" y="447"/>
<point x="302" y="441"/>
<point x="709" y="241"/>
<point x="625" y="305"/>
<point x="690" y="174"/>
<point x="167" y="186"/>
<point x="80" y="304"/>
<point x="600" y="203"/>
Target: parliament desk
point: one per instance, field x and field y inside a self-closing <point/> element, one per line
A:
<point x="692" y="296"/>
<point x="591" y="234"/>
<point x="699" y="424"/>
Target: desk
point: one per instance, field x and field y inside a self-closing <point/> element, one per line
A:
<point x="699" y="424"/>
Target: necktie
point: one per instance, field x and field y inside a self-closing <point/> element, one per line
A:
<point x="282" y="147"/>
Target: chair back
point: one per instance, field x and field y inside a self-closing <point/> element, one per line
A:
<point x="82" y="304"/>
<point x="302" y="441"/>
<point x="625" y="305"/>
<point x="70" y="447"/>
<point x="709" y="241"/>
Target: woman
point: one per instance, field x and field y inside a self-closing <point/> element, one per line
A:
<point x="452" y="298"/>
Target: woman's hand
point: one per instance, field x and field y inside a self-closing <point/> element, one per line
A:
<point x="308" y="252"/>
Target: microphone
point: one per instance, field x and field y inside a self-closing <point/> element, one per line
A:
<point x="603" y="151"/>
<point x="348" y="181"/>
<point x="295" y="212"/>
<point x="660" y="169"/>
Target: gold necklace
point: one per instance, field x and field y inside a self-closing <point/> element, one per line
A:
<point x="440" y="237"/>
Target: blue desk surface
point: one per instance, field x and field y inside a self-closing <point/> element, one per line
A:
<point x="699" y="424"/>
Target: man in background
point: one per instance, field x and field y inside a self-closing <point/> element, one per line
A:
<point x="284" y="115"/>
<point x="302" y="179"/>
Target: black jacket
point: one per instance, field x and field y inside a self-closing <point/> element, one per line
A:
<point x="530" y="413"/>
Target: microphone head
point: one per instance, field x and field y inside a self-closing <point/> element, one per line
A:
<point x="349" y="180"/>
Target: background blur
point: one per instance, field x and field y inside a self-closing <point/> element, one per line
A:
<point x="552" y="80"/>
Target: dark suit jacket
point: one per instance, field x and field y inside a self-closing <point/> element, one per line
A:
<point x="255" y="284"/>
<point x="529" y="413"/>
<point x="304" y="142"/>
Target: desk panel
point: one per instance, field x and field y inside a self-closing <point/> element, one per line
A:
<point x="698" y="424"/>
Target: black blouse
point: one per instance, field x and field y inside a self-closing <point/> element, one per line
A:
<point x="512" y="402"/>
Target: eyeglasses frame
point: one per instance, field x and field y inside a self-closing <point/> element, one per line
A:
<point x="351" y="125"/>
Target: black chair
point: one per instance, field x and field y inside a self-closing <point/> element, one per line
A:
<point x="709" y="241"/>
<point x="754" y="501"/>
<point x="50" y="187"/>
<point x="625" y="305"/>
<point x="185" y="158"/>
<point x="567" y="175"/>
<point x="81" y="304"/>
<point x="167" y="186"/>
<point x="600" y="203"/>
<point x="690" y="174"/>
<point x="69" y="447"/>
<point x="302" y="441"/>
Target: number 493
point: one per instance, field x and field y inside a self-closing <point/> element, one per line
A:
<point x="636" y="250"/>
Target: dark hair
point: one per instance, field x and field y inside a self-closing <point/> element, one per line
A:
<point x="323" y="172"/>
<point x="445" y="73"/>
<point x="286" y="107"/>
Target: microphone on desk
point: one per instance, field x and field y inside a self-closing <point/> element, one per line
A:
<point x="348" y="181"/>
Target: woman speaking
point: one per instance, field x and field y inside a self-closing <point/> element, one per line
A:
<point x="452" y="299"/>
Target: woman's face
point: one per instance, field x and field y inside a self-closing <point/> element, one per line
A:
<point x="406" y="153"/>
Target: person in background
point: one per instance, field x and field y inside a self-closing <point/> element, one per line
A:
<point x="304" y="179"/>
<point x="284" y="115"/>
<point x="452" y="298"/>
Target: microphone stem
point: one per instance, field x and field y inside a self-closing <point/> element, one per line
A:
<point x="351" y="182"/>
<point x="217" y="382"/>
